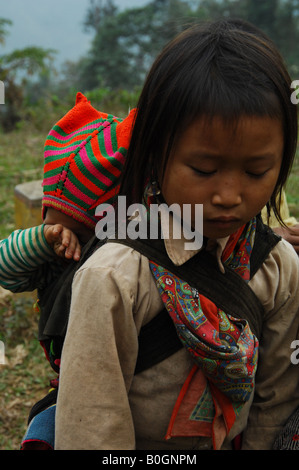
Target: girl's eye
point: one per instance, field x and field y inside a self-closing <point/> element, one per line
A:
<point x="204" y="173"/>
<point x="256" y="174"/>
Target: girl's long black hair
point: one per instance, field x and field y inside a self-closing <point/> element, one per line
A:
<point x="227" y="68"/>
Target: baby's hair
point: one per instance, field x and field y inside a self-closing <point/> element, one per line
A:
<point x="227" y="68"/>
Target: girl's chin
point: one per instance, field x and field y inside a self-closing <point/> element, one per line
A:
<point x="219" y="229"/>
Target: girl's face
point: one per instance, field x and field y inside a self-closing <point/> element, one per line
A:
<point x="231" y="170"/>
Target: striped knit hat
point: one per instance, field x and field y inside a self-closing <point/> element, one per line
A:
<point x="84" y="156"/>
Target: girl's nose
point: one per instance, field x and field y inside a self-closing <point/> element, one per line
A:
<point x="228" y="193"/>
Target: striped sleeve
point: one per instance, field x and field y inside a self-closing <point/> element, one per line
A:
<point x="22" y="255"/>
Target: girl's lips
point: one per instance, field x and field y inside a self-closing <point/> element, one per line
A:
<point x="224" y="220"/>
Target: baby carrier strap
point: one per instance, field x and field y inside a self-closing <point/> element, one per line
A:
<point x="265" y="241"/>
<point x="157" y="341"/>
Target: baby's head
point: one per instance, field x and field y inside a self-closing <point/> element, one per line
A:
<point x="84" y="157"/>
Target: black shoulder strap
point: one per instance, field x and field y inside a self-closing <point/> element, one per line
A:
<point x="158" y="340"/>
<point x="265" y="241"/>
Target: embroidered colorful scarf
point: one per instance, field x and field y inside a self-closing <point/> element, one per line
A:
<point x="223" y="348"/>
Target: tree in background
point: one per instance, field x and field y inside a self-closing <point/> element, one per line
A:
<point x="15" y="68"/>
<point x="126" y="42"/>
<point x="277" y="18"/>
<point x="123" y="47"/>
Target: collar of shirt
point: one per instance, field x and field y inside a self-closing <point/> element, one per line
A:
<point x="176" y="243"/>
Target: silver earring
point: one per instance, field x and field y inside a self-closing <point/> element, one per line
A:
<point x="154" y="189"/>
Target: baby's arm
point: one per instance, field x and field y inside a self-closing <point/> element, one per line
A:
<point x="23" y="259"/>
<point x="27" y="257"/>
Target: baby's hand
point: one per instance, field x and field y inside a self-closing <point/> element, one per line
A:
<point x="63" y="241"/>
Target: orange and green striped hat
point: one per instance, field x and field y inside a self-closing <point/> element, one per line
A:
<point x="84" y="156"/>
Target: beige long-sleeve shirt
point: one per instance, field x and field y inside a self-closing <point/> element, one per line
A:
<point x="102" y="405"/>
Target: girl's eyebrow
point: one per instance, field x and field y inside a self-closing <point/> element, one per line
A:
<point x="266" y="156"/>
<point x="214" y="155"/>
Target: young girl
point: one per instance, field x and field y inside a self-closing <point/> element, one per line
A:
<point x="214" y="126"/>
